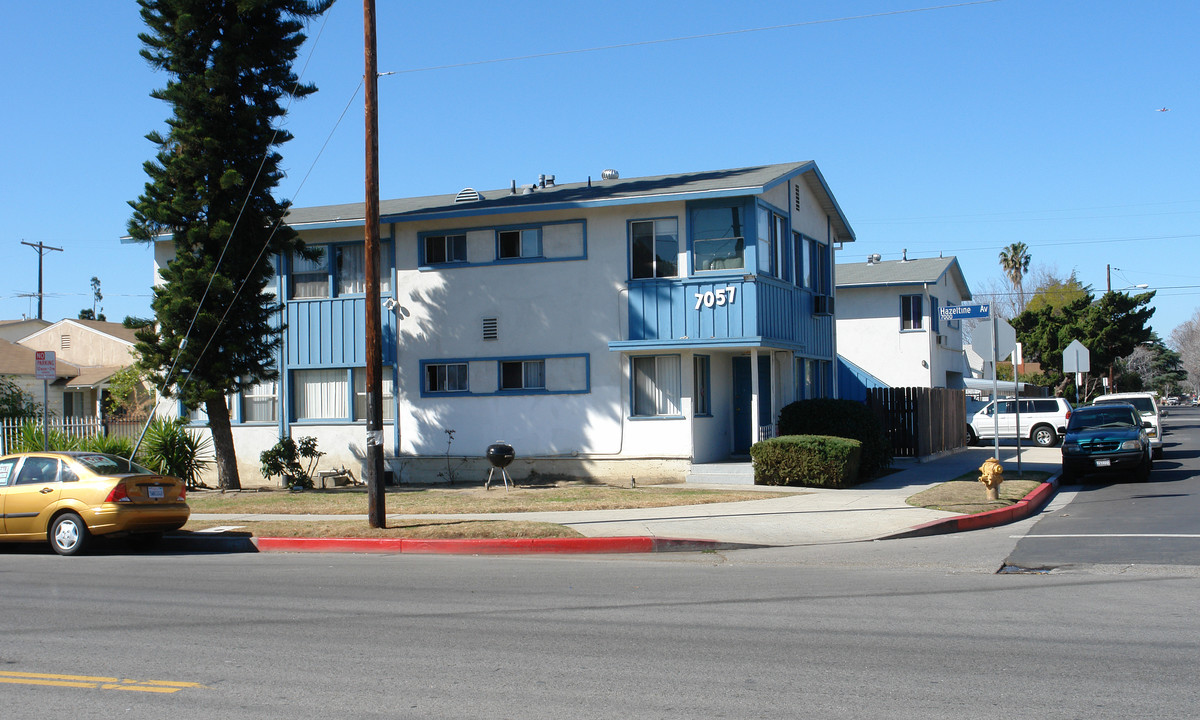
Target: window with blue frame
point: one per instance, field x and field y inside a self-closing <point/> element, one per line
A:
<point x="446" y="378"/>
<point x="388" y="406"/>
<point x="261" y="403"/>
<point x="718" y="238"/>
<point x="513" y="244"/>
<point x="934" y="320"/>
<point x="442" y="249"/>
<point x="654" y="248"/>
<point x="341" y="268"/>
<point x="911" y="310"/>
<point x="656" y="386"/>
<point x="772" y="243"/>
<point x="702" y="384"/>
<point x="523" y="375"/>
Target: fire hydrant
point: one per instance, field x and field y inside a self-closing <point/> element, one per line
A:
<point x="991" y="474"/>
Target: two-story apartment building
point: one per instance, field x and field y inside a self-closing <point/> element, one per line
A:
<point x="889" y="323"/>
<point x="611" y="327"/>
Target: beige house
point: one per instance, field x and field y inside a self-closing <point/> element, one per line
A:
<point x="88" y="353"/>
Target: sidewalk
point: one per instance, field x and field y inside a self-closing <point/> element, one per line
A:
<point x="809" y="516"/>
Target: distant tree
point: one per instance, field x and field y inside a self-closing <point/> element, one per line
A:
<point x="229" y="65"/>
<point x="96" y="296"/>
<point x="132" y="322"/>
<point x="1049" y="288"/>
<point x="1014" y="260"/>
<point x="1185" y="339"/>
<point x="1152" y="366"/>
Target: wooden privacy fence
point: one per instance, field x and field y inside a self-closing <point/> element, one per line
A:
<point x="921" y="421"/>
<point x="72" y="427"/>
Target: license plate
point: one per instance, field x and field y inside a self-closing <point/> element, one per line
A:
<point x="1103" y="462"/>
<point x="156" y="492"/>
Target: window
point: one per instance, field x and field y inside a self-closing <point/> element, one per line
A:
<point x="910" y="312"/>
<point x="701" y="384"/>
<point x="798" y="252"/>
<point x="260" y="403"/>
<point x="73" y="405"/>
<point x="351" y="268"/>
<point x="772" y="231"/>
<point x="654" y="248"/>
<point x="446" y="378"/>
<point x="520" y="243"/>
<point x="6" y="468"/>
<point x="934" y="323"/>
<point x="310" y="278"/>
<point x="812" y="263"/>
<point x="523" y="375"/>
<point x="321" y="394"/>
<point x="717" y="240"/>
<point x="810" y="379"/>
<point x="445" y="249"/>
<point x="360" y="394"/>
<point x="38" y="470"/>
<point x="656" y="385"/>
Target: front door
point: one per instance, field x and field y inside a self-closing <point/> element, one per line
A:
<point x="744" y="431"/>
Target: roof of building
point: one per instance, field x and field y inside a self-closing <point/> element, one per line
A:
<point x="737" y="182"/>
<point x="19" y="360"/>
<point x="113" y="330"/>
<point x="920" y="271"/>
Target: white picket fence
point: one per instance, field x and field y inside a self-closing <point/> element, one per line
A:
<point x="74" y="427"/>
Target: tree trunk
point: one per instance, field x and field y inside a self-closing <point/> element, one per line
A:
<point x="222" y="437"/>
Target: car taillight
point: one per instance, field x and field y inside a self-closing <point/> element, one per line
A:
<point x="1068" y="414"/>
<point x="182" y="493"/>
<point x="118" y="494"/>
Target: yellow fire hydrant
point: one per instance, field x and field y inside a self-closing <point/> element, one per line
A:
<point x="991" y="474"/>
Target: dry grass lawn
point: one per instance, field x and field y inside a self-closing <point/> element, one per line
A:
<point x="967" y="496"/>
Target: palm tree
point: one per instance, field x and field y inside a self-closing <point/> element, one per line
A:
<point x="1014" y="260"/>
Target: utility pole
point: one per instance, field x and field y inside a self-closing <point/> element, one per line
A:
<point x="1112" y="387"/>
<point x="373" y="473"/>
<point x="41" y="251"/>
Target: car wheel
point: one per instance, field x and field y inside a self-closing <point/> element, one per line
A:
<point x="1157" y="453"/>
<point x="1143" y="472"/>
<point x="1066" y="476"/>
<point x="972" y="438"/>
<point x="1045" y="436"/>
<point x="68" y="534"/>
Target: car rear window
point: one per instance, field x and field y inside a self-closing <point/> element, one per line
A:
<point x="1143" y="404"/>
<point x="111" y="465"/>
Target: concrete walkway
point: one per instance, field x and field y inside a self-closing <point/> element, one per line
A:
<point x="806" y="516"/>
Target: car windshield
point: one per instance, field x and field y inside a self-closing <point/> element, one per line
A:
<point x="1144" y="405"/>
<point x="102" y="464"/>
<point x="1115" y="417"/>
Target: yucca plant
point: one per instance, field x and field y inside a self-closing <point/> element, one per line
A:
<point x="110" y="445"/>
<point x="30" y="439"/>
<point x="170" y="448"/>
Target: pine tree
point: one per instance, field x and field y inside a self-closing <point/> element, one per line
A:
<point x="229" y="66"/>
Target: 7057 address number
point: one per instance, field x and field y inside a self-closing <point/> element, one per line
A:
<point x="718" y="297"/>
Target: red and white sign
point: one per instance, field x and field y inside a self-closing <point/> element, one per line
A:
<point x="47" y="367"/>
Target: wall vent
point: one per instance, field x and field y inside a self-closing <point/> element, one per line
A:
<point x="468" y="195"/>
<point x="64" y="342"/>
<point x="797" y="201"/>
<point x="491" y="328"/>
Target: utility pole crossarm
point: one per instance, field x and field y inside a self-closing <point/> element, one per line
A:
<point x="41" y="251"/>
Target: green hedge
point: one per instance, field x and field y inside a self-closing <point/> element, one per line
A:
<point x="807" y="460"/>
<point x="844" y="419"/>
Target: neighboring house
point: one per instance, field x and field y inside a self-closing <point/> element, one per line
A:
<point x="608" y="328"/>
<point x="14" y="330"/>
<point x="18" y="364"/>
<point x="96" y="350"/>
<point x="888" y="323"/>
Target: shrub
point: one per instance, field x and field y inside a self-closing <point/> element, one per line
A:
<point x="170" y="448"/>
<point x="110" y="445"/>
<point x="844" y="419"/>
<point x="283" y="461"/>
<point x="31" y="435"/>
<point x="806" y="460"/>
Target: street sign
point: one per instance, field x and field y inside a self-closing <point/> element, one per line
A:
<point x="966" y="311"/>
<point x="1077" y="358"/>
<point x="45" y="366"/>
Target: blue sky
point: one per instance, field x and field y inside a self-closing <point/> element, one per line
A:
<point x="950" y="129"/>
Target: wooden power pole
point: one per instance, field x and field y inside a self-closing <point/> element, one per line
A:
<point x="373" y="473"/>
<point x="41" y="251"/>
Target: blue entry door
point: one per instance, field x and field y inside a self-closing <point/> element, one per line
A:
<point x="744" y="430"/>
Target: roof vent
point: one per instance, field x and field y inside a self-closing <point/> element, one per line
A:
<point x="527" y="189"/>
<point x="610" y="175"/>
<point x="468" y="195"/>
<point x="873" y="258"/>
<point x="904" y="255"/>
<point x="545" y="181"/>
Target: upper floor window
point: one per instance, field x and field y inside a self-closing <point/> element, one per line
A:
<point x="911" y="310"/>
<point x="520" y="243"/>
<point x="718" y="240"/>
<point x="772" y="245"/>
<point x="445" y="249"/>
<point x="310" y="278"/>
<point x="654" y="248"/>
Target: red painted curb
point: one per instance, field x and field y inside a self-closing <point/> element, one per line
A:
<point x="1020" y="510"/>
<point x="496" y="546"/>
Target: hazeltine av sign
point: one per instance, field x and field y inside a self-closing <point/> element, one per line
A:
<point x="961" y="312"/>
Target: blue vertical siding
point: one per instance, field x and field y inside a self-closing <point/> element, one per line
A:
<point x="332" y="332"/>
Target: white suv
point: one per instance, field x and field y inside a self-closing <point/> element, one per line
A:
<point x="1043" y="420"/>
<point x="1148" y="408"/>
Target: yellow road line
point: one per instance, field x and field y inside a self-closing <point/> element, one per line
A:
<point x="93" y="683"/>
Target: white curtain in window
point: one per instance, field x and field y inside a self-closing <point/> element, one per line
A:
<point x="352" y="269"/>
<point x="656" y="384"/>
<point x="259" y="403"/>
<point x="360" y="394"/>
<point x="534" y="374"/>
<point x="321" y="394"/>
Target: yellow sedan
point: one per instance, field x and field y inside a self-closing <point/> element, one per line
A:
<point x="67" y="497"/>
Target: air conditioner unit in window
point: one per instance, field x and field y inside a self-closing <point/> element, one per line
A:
<point x="941" y="339"/>
<point x="822" y="304"/>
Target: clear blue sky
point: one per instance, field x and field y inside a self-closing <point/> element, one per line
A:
<point x="956" y="130"/>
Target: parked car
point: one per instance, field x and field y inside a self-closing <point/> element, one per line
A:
<point x="1043" y="420"/>
<point x="1148" y="407"/>
<point x="1108" y="438"/>
<point x="67" y="497"/>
